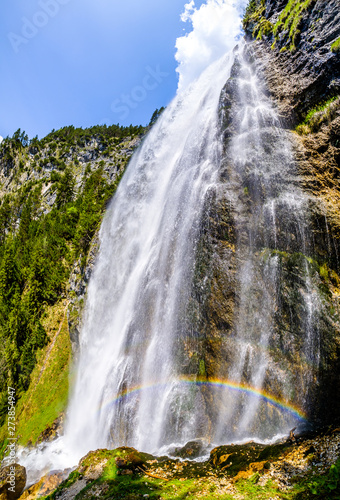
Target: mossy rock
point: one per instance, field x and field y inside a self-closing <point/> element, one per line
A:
<point x="101" y="468"/>
<point x="93" y="465"/>
<point x="192" y="449"/>
<point x="235" y="457"/>
<point x="273" y="451"/>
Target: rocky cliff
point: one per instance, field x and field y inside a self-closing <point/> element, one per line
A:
<point x="298" y="52"/>
<point x="300" y="60"/>
<point x="292" y="48"/>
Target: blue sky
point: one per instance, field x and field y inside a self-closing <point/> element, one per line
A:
<point x="75" y="61"/>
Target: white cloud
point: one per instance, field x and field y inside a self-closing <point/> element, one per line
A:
<point x="189" y="9"/>
<point x="216" y="26"/>
<point x="1" y="139"/>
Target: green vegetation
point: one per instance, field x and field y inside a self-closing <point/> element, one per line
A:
<point x="253" y="491"/>
<point x="320" y="107"/>
<point x="39" y="244"/>
<point x="71" y="135"/>
<point x="335" y="47"/>
<point x="287" y="27"/>
<point x="326" y="486"/>
<point x="254" y="11"/>
<point x="324" y="112"/>
<point x="156" y="114"/>
<point x="290" y="20"/>
<point x="47" y="394"/>
<point x="263" y="28"/>
<point x="36" y="254"/>
<point x="255" y="17"/>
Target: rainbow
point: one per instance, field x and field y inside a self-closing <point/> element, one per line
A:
<point x="215" y="383"/>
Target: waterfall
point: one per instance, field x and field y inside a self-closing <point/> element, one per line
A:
<point x="272" y="224"/>
<point x="131" y="386"/>
<point x="140" y="286"/>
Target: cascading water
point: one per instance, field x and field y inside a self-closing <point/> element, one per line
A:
<point x="140" y="286"/>
<point x="141" y="283"/>
<point x="131" y="386"/>
<point x="271" y="219"/>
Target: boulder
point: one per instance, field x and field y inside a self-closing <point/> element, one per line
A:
<point x="130" y="459"/>
<point x="92" y="466"/>
<point x="235" y="457"/>
<point x="192" y="449"/>
<point x="45" y="486"/>
<point x="12" y="481"/>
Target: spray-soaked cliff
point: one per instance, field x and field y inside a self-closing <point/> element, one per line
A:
<point x="296" y="58"/>
<point x="300" y="60"/>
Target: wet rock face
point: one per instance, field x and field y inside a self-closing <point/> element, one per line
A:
<point x="301" y="79"/>
<point x="297" y="274"/>
<point x="298" y="82"/>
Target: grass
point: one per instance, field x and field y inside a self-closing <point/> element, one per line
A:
<point x="290" y="20"/>
<point x="335" y="47"/>
<point x="135" y="487"/>
<point x="320" y="107"/>
<point x="288" y="23"/>
<point x="47" y="395"/>
<point x="253" y="491"/>
<point x="324" y="112"/>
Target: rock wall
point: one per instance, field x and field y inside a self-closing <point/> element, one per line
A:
<point x="299" y="80"/>
<point x="304" y="81"/>
<point x="307" y="75"/>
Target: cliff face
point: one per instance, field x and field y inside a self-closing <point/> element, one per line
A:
<point x="301" y="68"/>
<point x="304" y="82"/>
<point x="295" y="56"/>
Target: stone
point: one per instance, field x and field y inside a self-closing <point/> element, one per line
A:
<point x="53" y="431"/>
<point x="192" y="449"/>
<point x="235" y="458"/>
<point x="130" y="458"/>
<point x="16" y="481"/>
<point x="93" y="464"/>
<point x="126" y="472"/>
<point x="45" y="486"/>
